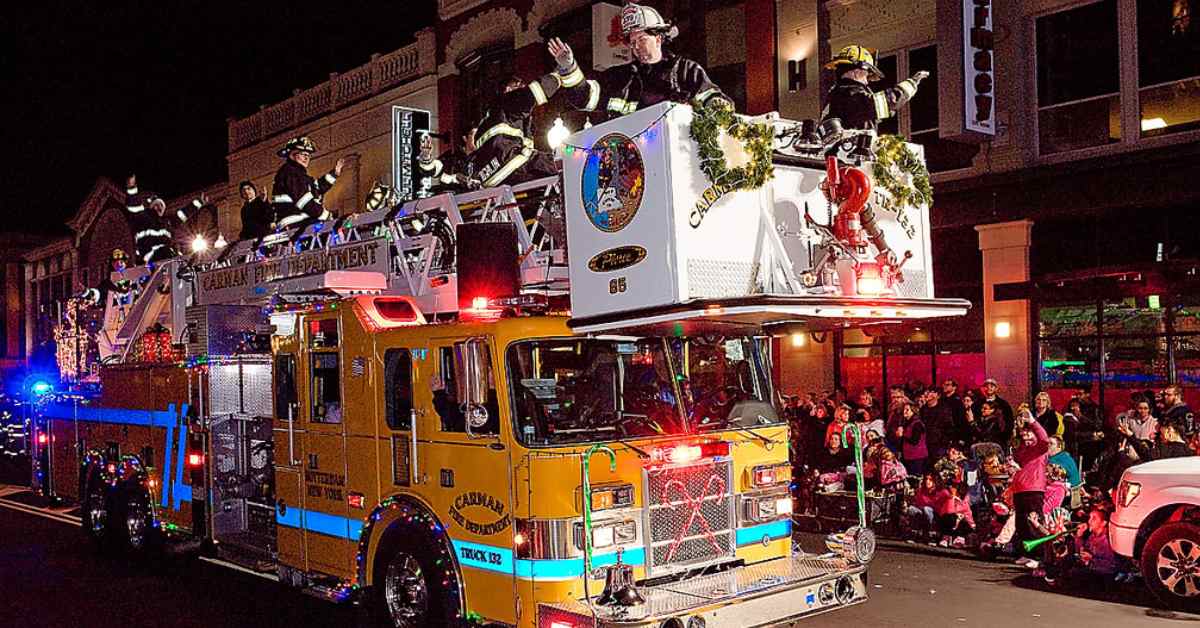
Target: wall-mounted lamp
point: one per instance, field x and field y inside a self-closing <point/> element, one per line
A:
<point x="799" y="340"/>
<point x="1002" y="329"/>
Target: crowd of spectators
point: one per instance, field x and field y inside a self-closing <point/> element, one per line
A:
<point x="965" y="468"/>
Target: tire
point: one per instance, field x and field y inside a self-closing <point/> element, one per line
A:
<point x="134" y="526"/>
<point x="408" y="589"/>
<point x="94" y="514"/>
<point x="1171" y="566"/>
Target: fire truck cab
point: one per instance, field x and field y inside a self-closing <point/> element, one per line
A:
<point x="413" y="409"/>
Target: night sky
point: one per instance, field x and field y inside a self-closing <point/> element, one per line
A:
<point x="95" y="89"/>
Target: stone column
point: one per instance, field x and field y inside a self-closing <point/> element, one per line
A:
<point x="1007" y="327"/>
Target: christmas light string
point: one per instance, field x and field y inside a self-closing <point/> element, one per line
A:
<point x="649" y="133"/>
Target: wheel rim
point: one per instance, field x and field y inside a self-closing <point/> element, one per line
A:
<point x="1179" y="567"/>
<point x="405" y="592"/>
<point x="97" y="514"/>
<point x="135" y="525"/>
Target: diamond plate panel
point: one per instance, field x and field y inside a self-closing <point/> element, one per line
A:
<point x="257" y="389"/>
<point x="715" y="279"/>
<point x="224" y="389"/>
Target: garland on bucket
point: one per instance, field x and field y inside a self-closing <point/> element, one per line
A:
<point x="715" y="117"/>
<point x="896" y="164"/>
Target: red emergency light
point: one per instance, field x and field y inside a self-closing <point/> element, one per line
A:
<point x="870" y="279"/>
<point x="195" y="460"/>
<point x="684" y="453"/>
<point x="356" y="500"/>
<point x="42" y="438"/>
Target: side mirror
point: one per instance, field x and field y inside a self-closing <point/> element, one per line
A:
<point x="471" y="378"/>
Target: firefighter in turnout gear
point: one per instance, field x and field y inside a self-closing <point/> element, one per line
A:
<point x="152" y="229"/>
<point x="853" y="101"/>
<point x="444" y="172"/>
<point x="256" y="213"/>
<point x="652" y="77"/>
<point x="297" y="196"/>
<point x="504" y="151"/>
<point x="99" y="295"/>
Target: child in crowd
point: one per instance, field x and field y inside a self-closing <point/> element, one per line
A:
<point x="955" y="518"/>
<point x="1093" y="562"/>
<point x="922" y="511"/>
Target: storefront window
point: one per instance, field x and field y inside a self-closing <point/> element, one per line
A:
<point x="1134" y="316"/>
<point x="861" y="367"/>
<point x="1187" y="368"/>
<point x="1067" y="320"/>
<point x="1068" y="365"/>
<point x="1078" y="109"/>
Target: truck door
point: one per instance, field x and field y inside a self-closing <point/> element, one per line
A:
<point x="289" y="438"/>
<point x="463" y="458"/>
<point x="323" y="465"/>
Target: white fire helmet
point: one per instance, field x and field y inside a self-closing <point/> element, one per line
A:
<point x="635" y="17"/>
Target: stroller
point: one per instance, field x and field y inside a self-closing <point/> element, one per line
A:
<point x="989" y="487"/>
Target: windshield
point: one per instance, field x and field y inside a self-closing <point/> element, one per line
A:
<point x="575" y="390"/>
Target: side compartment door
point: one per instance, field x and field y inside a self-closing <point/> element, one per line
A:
<point x="289" y="438"/>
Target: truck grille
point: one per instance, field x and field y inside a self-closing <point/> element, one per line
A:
<point x="690" y="517"/>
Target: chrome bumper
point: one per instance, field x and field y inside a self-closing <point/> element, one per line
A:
<point x="751" y="596"/>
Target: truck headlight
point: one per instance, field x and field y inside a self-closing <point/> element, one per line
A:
<point x="610" y="534"/>
<point x="768" y="507"/>
<point x="1128" y="492"/>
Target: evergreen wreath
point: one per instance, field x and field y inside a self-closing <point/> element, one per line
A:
<point x="894" y="158"/>
<point x="708" y="121"/>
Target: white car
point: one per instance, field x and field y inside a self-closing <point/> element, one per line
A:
<point x="1157" y="524"/>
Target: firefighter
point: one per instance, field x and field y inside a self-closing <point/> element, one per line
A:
<point x="297" y="201"/>
<point x="655" y="75"/>
<point x="257" y="215"/>
<point x="504" y="151"/>
<point x="853" y="102"/>
<point x="444" y="172"/>
<point x="98" y="296"/>
<point x="146" y="211"/>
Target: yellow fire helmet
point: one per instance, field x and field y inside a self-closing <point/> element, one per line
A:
<point x="856" y="57"/>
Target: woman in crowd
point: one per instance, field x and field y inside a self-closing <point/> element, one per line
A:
<point x="912" y="437"/>
<point x="834" y="458"/>
<point x="1044" y="412"/>
<point x="989" y="426"/>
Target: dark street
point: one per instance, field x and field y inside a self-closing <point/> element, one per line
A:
<point x="52" y="578"/>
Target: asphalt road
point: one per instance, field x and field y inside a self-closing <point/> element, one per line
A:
<point x="49" y="577"/>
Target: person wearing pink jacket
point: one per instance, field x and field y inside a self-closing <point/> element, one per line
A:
<point x="955" y="518"/>
<point x="1029" y="481"/>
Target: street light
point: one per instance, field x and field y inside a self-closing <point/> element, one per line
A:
<point x="557" y="134"/>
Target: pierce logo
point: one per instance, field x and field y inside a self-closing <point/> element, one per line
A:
<point x="616" y="259"/>
<point x="614" y="178"/>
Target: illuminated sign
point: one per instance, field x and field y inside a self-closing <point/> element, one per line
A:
<point x="258" y="280"/>
<point x="408" y="126"/>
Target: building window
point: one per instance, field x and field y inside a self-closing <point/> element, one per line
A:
<point x="918" y="120"/>
<point x="1168" y="66"/>
<point x="483" y="74"/>
<point x="1078" y="78"/>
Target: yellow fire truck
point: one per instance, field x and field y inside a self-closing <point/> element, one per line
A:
<point x="442" y="412"/>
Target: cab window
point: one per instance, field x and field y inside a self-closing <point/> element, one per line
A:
<point x="445" y="396"/>
<point x="285" y="386"/>
<point x="326" y="388"/>
<point x="398" y="388"/>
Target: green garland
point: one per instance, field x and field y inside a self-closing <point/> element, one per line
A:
<point x="893" y="157"/>
<point x="707" y="123"/>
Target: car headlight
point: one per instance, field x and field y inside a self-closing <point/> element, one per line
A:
<point x="1128" y="492"/>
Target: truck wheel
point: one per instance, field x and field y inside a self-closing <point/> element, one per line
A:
<point x="410" y="589"/>
<point x="1171" y="565"/>
<point x="135" y="524"/>
<point x="94" y="515"/>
